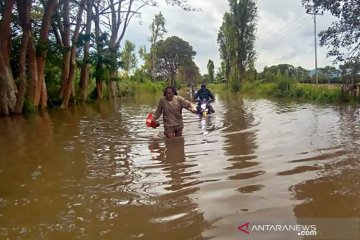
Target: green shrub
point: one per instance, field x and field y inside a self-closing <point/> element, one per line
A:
<point x="28" y="107"/>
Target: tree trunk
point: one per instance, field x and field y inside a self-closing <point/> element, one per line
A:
<point x="22" y="72"/>
<point x="24" y="7"/>
<point x="172" y="79"/>
<point x="113" y="69"/>
<point x="84" y="75"/>
<point x="33" y="75"/>
<point x="7" y="84"/>
<point x="41" y="92"/>
<point x="66" y="43"/>
<point x="99" y="82"/>
<point x="99" y="89"/>
<point x="69" y="87"/>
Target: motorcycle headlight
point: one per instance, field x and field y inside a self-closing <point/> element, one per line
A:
<point x="203" y="106"/>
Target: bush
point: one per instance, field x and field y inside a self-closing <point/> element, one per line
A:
<point x="28" y="107"/>
<point x="288" y="88"/>
<point x="126" y="88"/>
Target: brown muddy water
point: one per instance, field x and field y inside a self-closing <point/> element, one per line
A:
<point x="96" y="172"/>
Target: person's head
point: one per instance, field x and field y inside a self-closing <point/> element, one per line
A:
<point x="203" y="87"/>
<point x="169" y="92"/>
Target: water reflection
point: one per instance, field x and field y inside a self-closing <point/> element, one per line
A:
<point x="178" y="211"/>
<point x="240" y="144"/>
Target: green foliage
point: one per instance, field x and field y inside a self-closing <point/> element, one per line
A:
<point x="157" y="29"/>
<point x="216" y="87"/>
<point x="188" y="74"/>
<point x="272" y="73"/>
<point x="53" y="71"/>
<point x="286" y="88"/>
<point x="329" y="74"/>
<point x="220" y="76"/>
<point x="210" y="67"/>
<point x="130" y="88"/>
<point x="83" y="38"/>
<point x="126" y="88"/>
<point x="351" y="71"/>
<point x="102" y="74"/>
<point x="235" y="86"/>
<point x="128" y="57"/>
<point x="140" y="76"/>
<point x="150" y="86"/>
<point x="28" y="107"/>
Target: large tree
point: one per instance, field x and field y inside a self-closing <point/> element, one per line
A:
<point x="172" y="53"/>
<point x="237" y="38"/>
<point x="343" y="36"/>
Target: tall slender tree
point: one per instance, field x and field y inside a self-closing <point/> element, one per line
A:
<point x="158" y="31"/>
<point x="128" y="57"/>
<point x="237" y="38"/>
<point x="211" y="70"/>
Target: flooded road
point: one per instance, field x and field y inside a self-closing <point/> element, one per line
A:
<point x="96" y="172"/>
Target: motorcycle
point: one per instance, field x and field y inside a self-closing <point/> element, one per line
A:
<point x="204" y="109"/>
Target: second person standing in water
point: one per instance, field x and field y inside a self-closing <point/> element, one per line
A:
<point x="170" y="106"/>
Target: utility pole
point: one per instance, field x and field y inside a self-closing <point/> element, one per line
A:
<point x="314" y="13"/>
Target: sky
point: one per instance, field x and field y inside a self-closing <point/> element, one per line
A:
<point x="285" y="33"/>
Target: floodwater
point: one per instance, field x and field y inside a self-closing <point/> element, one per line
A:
<point x="96" y="172"/>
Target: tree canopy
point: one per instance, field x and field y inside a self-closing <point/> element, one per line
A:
<point x="172" y="53"/>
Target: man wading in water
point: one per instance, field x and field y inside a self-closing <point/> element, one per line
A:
<point x="170" y="106"/>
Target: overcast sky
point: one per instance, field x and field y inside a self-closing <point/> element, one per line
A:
<point x="285" y="33"/>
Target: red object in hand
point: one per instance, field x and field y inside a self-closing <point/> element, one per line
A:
<point x="150" y="122"/>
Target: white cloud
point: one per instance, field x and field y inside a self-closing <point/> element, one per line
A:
<point x="285" y="32"/>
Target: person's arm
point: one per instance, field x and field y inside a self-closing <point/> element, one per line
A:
<point x="188" y="105"/>
<point x="211" y="96"/>
<point x="158" y="111"/>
